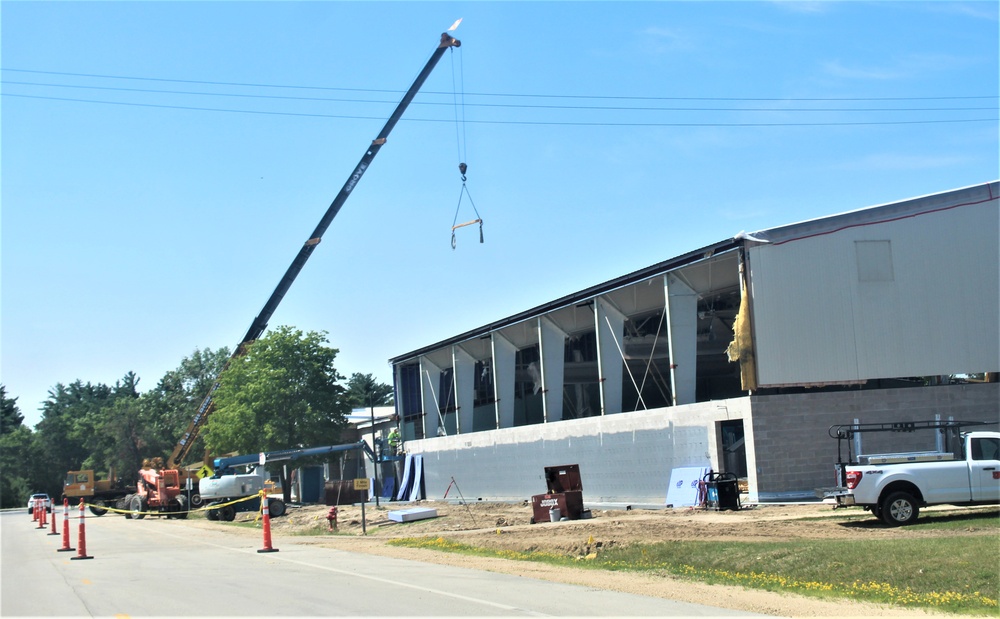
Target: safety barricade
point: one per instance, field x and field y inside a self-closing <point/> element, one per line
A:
<point x="203" y="508"/>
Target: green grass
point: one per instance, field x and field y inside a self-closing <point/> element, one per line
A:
<point x="955" y="573"/>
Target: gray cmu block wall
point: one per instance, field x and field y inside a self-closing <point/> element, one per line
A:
<point x="623" y="458"/>
<point x="795" y="456"/>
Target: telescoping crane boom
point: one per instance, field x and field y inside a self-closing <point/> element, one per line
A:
<point x="183" y="447"/>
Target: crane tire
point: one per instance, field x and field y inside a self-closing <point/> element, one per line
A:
<point x="125" y="504"/>
<point x="182" y="508"/>
<point x="137" y="507"/>
<point x="275" y="508"/>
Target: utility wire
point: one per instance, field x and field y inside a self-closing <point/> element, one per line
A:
<point x="520" y="122"/>
<point x="461" y="105"/>
<point x="482" y="94"/>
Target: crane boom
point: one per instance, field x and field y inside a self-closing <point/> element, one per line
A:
<point x="259" y="323"/>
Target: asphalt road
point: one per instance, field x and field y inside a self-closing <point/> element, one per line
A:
<point x="163" y="568"/>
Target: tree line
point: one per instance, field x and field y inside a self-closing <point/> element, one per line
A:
<point x="282" y="392"/>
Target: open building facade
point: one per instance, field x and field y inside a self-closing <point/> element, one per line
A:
<point x="737" y="357"/>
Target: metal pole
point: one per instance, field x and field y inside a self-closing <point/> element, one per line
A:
<point x="378" y="457"/>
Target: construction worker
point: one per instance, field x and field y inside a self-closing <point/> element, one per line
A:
<point x="394" y="441"/>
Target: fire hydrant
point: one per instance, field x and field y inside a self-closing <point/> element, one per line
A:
<point x="331" y="519"/>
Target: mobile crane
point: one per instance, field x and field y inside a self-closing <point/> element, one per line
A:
<point x="184" y="445"/>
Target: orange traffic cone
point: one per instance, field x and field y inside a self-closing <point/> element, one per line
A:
<point x="81" y="552"/>
<point x="267" y="525"/>
<point x="53" y="531"/>
<point x="65" y="533"/>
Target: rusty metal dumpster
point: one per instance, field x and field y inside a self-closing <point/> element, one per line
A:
<point x="565" y="494"/>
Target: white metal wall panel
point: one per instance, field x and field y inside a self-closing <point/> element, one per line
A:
<point x="819" y="316"/>
<point x="623" y="458"/>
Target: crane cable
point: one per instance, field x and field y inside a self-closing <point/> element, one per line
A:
<point x="462" y="167"/>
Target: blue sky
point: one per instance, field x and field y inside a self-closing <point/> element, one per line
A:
<point x="162" y="163"/>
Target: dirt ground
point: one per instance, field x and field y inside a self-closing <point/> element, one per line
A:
<point x="508" y="526"/>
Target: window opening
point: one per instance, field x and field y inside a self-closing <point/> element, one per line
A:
<point x="446" y="402"/>
<point x="410" y="405"/>
<point x="484" y="400"/>
<point x="528" y="386"/>
<point x="647" y="359"/>
<point x="581" y="378"/>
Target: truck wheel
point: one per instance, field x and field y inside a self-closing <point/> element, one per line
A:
<point x="98" y="508"/>
<point x="212" y="513"/>
<point x="196" y="501"/>
<point x="275" y="508"/>
<point x="227" y="513"/>
<point x="899" y="508"/>
<point x="138" y="507"/>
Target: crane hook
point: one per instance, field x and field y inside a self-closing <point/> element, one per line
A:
<point x="462" y="168"/>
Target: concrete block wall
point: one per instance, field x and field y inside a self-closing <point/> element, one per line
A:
<point x="623" y="458"/>
<point x="794" y="455"/>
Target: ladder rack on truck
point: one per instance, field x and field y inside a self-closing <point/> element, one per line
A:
<point x="847" y="432"/>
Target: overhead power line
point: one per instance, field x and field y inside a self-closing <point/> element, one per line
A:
<point x="486" y="94"/>
<point x="520" y="122"/>
<point x="511" y="105"/>
<point x="948" y="109"/>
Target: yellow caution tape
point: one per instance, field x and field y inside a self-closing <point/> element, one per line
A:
<point x="160" y="513"/>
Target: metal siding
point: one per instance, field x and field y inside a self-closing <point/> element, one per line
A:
<point x="623" y="458"/>
<point x="802" y="308"/>
<point x="815" y="322"/>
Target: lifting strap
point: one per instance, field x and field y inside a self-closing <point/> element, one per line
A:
<point x="478" y="220"/>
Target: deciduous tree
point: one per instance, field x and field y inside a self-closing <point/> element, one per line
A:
<point x="282" y="393"/>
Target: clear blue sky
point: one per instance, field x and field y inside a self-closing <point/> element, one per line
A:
<point x="162" y="162"/>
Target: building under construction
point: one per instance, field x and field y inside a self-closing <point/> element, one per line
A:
<point x="737" y="357"/>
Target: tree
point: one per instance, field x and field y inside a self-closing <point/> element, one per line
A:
<point x="21" y="471"/>
<point x="71" y="420"/>
<point x="364" y="391"/>
<point x="169" y="407"/>
<point x="10" y="415"/>
<point x="282" y="393"/>
<point x="15" y="453"/>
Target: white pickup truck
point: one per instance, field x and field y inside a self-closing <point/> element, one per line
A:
<point x="895" y="486"/>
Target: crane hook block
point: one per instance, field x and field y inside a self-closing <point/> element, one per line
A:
<point x="462" y="168"/>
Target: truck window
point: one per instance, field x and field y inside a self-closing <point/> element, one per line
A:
<point x="985" y="448"/>
<point x="76" y="478"/>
